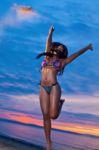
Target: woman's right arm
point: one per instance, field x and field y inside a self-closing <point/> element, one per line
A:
<point x="49" y="39"/>
<point x="78" y="53"/>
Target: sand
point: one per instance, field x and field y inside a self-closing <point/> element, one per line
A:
<point x="7" y="143"/>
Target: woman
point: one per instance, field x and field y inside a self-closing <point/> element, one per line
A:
<point x="50" y="92"/>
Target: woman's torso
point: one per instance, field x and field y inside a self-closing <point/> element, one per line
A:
<point x="50" y="69"/>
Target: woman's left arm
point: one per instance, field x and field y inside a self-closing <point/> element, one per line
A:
<point x="49" y="39"/>
<point x="75" y="55"/>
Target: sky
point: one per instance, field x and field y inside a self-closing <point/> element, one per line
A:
<point x="23" y="34"/>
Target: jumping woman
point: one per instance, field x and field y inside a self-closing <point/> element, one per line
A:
<point x="56" y="58"/>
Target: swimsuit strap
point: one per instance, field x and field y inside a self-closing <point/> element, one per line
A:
<point x="48" y="88"/>
<point x="55" y="64"/>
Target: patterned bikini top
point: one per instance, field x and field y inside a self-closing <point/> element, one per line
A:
<point x="56" y="64"/>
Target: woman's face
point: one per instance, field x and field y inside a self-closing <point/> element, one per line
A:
<point x="61" y="48"/>
<point x="55" y="57"/>
<point x="55" y="49"/>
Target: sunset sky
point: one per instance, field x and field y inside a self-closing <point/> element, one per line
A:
<point x="23" y="30"/>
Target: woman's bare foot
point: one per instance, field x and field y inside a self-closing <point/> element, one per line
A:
<point x="48" y="146"/>
<point x="61" y="104"/>
<point x="62" y="101"/>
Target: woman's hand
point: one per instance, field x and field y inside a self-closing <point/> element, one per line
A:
<point x="49" y="39"/>
<point x="51" y="29"/>
<point x="89" y="47"/>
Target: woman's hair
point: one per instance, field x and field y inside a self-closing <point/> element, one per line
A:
<point x="57" y="49"/>
<point x="62" y="52"/>
<point x="60" y="49"/>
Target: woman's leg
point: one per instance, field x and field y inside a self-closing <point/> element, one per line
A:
<point x="45" y="103"/>
<point x="55" y="102"/>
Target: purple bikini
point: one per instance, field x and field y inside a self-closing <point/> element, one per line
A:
<point x="55" y="64"/>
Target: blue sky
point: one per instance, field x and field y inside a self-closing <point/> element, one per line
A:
<point x="23" y="36"/>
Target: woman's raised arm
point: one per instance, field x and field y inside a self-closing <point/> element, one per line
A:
<point x="49" y="39"/>
<point x="78" y="53"/>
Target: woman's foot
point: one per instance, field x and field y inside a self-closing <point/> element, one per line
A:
<point x="61" y="104"/>
<point x="62" y="101"/>
<point x="48" y="146"/>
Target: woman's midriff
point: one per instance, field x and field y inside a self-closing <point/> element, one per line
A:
<point x="49" y="76"/>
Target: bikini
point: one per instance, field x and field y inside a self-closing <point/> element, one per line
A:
<point x="55" y="64"/>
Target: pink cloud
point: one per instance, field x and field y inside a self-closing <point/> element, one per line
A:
<point x="81" y="104"/>
<point x="63" y="126"/>
<point x="16" y="15"/>
<point x="24" y="13"/>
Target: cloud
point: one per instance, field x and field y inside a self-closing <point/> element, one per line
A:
<point x="22" y="103"/>
<point x="30" y="103"/>
<point x="24" y="13"/>
<point x="16" y="15"/>
<point x="31" y="119"/>
<point x="82" y="104"/>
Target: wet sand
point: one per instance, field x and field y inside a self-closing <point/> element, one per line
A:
<point x="7" y="143"/>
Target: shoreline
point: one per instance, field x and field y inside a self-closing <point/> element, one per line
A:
<point x="9" y="143"/>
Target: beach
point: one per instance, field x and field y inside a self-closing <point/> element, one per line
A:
<point x="7" y="143"/>
<point x="28" y="136"/>
<point x="25" y="131"/>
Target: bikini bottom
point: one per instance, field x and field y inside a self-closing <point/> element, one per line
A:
<point x="48" y="88"/>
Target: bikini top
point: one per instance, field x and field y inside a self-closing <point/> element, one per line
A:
<point x="56" y="64"/>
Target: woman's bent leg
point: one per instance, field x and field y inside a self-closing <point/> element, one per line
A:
<point x="45" y="103"/>
<point x="55" y="102"/>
